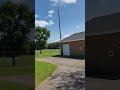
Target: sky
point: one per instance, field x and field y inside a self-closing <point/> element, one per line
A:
<point x="96" y="8"/>
<point x="72" y="13"/>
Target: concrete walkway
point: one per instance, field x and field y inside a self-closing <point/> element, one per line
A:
<point x="69" y="75"/>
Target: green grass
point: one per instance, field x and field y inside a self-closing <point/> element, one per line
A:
<point x="42" y="71"/>
<point x="24" y="65"/>
<point x="5" y="85"/>
<point x="17" y="70"/>
<point x="47" y="53"/>
<point x="22" y="60"/>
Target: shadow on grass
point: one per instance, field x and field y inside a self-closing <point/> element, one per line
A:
<point x="19" y="61"/>
<point x="72" y="57"/>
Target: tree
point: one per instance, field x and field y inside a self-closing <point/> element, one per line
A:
<point x="16" y="22"/>
<point x="41" y="37"/>
<point x="54" y="45"/>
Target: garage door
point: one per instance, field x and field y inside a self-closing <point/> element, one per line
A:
<point x="66" y="50"/>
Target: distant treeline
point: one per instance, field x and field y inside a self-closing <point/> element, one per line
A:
<point x="54" y="45"/>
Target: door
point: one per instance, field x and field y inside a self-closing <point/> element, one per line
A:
<point x="66" y="50"/>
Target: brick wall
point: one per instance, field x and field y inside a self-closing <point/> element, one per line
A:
<point x="77" y="48"/>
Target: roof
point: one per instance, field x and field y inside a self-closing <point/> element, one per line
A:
<point x="103" y="25"/>
<point x="74" y="37"/>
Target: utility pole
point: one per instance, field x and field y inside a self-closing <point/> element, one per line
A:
<point x="59" y="21"/>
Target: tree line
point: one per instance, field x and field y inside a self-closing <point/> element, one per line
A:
<point x="53" y="45"/>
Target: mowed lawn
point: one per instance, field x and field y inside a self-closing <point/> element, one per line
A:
<point x="5" y="85"/>
<point x="47" y="53"/>
<point x="24" y="65"/>
<point x="42" y="71"/>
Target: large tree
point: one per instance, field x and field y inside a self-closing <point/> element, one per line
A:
<point x="41" y="37"/>
<point x="16" y="22"/>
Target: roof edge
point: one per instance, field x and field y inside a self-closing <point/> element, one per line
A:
<point x="72" y="40"/>
<point x="103" y="33"/>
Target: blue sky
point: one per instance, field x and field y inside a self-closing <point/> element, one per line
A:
<point x="72" y="17"/>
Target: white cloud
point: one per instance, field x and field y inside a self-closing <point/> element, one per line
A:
<point x="69" y="1"/>
<point x="63" y="1"/>
<point x="78" y="27"/>
<point x="36" y="16"/>
<point x="50" y="13"/>
<point x="43" y="23"/>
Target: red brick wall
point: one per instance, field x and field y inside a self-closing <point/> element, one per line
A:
<point x="77" y="48"/>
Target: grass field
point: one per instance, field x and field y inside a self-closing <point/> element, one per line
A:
<point x="24" y="65"/>
<point x="22" y="60"/>
<point x="47" y="53"/>
<point x="17" y="70"/>
<point x="5" y="85"/>
<point x="42" y="71"/>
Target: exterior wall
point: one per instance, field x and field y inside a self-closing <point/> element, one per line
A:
<point x="77" y="48"/>
<point x="98" y="53"/>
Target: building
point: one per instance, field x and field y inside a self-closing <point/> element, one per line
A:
<point x="74" y="45"/>
<point x="103" y="44"/>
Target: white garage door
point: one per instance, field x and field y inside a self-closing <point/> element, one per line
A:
<point x="66" y="50"/>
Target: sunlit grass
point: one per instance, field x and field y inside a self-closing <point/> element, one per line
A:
<point x="47" y="53"/>
<point x="42" y="71"/>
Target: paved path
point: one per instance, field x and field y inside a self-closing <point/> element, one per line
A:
<point x="69" y="75"/>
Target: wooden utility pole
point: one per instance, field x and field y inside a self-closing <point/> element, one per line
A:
<point x="59" y="21"/>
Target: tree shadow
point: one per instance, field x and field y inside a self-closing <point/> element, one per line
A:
<point x="70" y="81"/>
<point x="71" y="57"/>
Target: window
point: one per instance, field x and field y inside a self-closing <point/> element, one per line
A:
<point x="110" y="52"/>
<point x="81" y="48"/>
